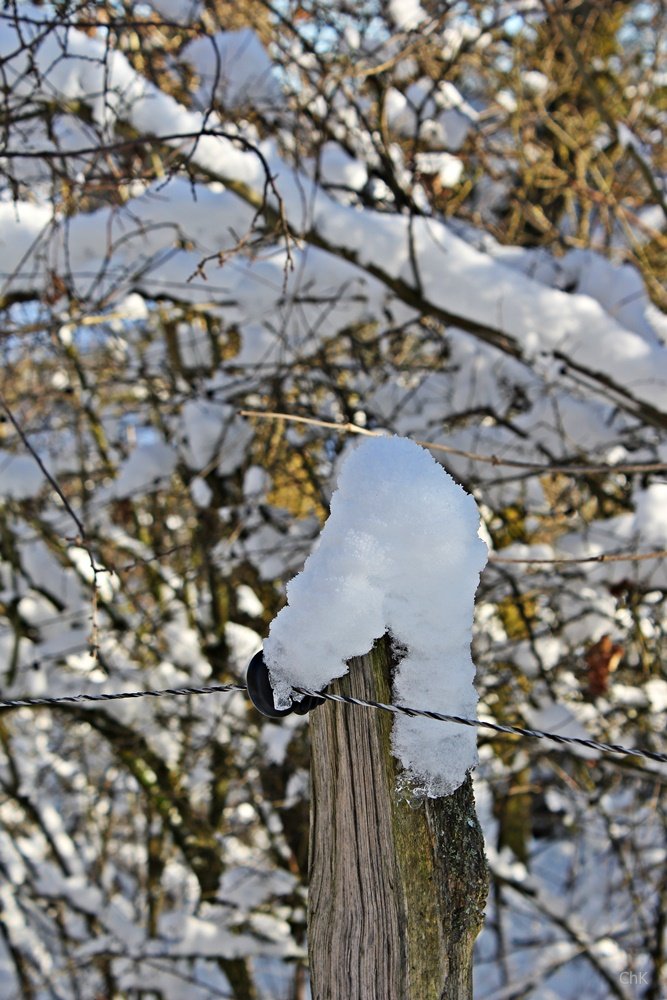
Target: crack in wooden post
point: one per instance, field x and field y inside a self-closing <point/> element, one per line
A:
<point x="397" y="888"/>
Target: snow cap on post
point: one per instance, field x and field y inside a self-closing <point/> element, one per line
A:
<point x="400" y="553"/>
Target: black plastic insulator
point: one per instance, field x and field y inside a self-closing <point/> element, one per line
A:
<point x="260" y="692"/>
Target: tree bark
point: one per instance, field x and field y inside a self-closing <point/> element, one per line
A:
<point x="397" y="888"/>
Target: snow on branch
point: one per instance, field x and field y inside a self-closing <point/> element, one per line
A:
<point x="400" y="553"/>
<point x="422" y="262"/>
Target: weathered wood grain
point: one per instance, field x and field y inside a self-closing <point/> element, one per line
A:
<point x="397" y="889"/>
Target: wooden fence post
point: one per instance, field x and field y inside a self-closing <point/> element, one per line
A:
<point x="397" y="890"/>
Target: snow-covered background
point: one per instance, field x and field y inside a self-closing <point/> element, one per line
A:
<point x="444" y="225"/>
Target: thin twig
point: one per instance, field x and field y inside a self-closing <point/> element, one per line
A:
<point x="605" y="557"/>
<point x="349" y="428"/>
<point x="26" y="441"/>
<point x="82" y="539"/>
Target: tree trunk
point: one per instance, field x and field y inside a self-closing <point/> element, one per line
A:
<point x="397" y="889"/>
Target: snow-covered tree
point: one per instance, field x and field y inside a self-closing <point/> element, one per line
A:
<point x="233" y="238"/>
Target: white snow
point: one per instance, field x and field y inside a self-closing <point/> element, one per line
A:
<point x="535" y="82"/>
<point x="248" y="601"/>
<point x="246" y="888"/>
<point x="656" y="690"/>
<point x="177" y="10"/>
<point x="644" y="530"/>
<point x="549" y="716"/>
<point x="407" y="14"/>
<point x="448" y="168"/>
<point x="338" y="167"/>
<point x="148" y="467"/>
<point x="400" y="553"/>
<point x="213" y="435"/>
<point x="242" y="643"/>
<point x="233" y="65"/>
<point x="200" y="491"/>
